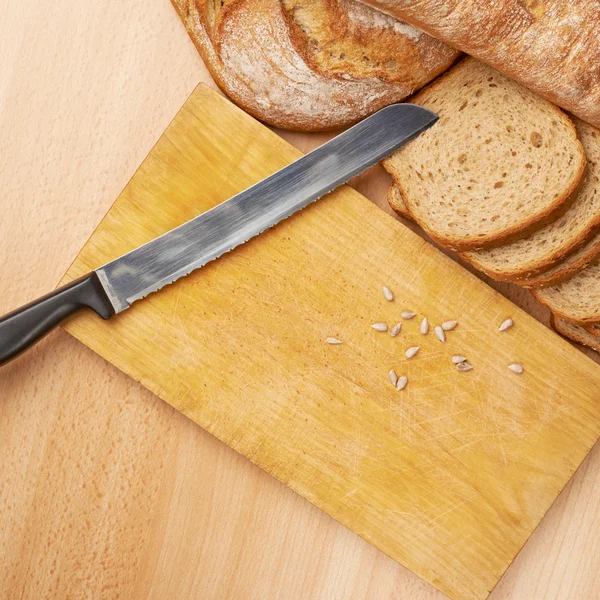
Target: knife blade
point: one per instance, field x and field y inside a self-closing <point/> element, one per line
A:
<point x="112" y="288"/>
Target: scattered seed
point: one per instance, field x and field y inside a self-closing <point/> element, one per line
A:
<point x="396" y="329"/>
<point x="516" y="368"/>
<point x="412" y="352"/>
<point x="333" y="341"/>
<point x="401" y="383"/>
<point x="439" y="332"/>
<point x="506" y="325"/>
<point x="463" y="366"/>
<point x="408" y="315"/>
<point x="449" y="325"/>
<point x="459" y="359"/>
<point x="393" y="377"/>
<point x="380" y="326"/>
<point x="389" y="295"/>
<point x="424" y="327"/>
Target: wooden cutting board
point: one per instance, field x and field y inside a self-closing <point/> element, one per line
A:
<point x="448" y="477"/>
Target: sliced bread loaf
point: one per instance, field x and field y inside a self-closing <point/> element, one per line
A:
<point x="500" y="163"/>
<point x="576" y="300"/>
<point x="569" y="266"/>
<point x="576" y="333"/>
<point x="547" y="247"/>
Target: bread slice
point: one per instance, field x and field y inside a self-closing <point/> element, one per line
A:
<point x="570" y="266"/>
<point x="576" y="333"/>
<point x="311" y="65"/>
<point x="548" y="246"/>
<point x="595" y="331"/>
<point x="500" y="163"/>
<point x="576" y="300"/>
<point x="397" y="203"/>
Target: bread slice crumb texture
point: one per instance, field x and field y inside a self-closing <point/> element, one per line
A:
<point x="500" y="163"/>
<point x="546" y="247"/>
<point x="571" y="265"/>
<point x="566" y="268"/>
<point x="576" y="300"/>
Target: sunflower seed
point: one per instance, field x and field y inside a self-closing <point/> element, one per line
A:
<point x="380" y="326"/>
<point x="463" y="366"/>
<point x="439" y="332"/>
<point x="424" y="327"/>
<point x="388" y="294"/>
<point x="516" y="368"/>
<point x="459" y="359"/>
<point x="506" y="325"/>
<point x="449" y="325"/>
<point x="393" y="377"/>
<point x="412" y="352"/>
<point x="332" y="340"/>
<point x="396" y="329"/>
<point x="408" y="315"/>
<point x="401" y="383"/>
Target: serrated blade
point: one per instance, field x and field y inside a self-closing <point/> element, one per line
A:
<point x="206" y="237"/>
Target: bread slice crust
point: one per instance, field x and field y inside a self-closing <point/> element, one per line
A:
<point x="594" y="330"/>
<point x="405" y="165"/>
<point x="570" y="266"/>
<point x="396" y="202"/>
<point x="549" y="246"/>
<point x="576" y="300"/>
<point x="578" y="334"/>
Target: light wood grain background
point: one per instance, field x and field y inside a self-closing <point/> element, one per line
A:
<point x="106" y="491"/>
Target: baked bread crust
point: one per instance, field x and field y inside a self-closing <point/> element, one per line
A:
<point x="570" y="266"/>
<point x="594" y="330"/>
<point x="576" y="300"/>
<point x="549" y="246"/>
<point x="260" y="56"/>
<point x="550" y="46"/>
<point x="463" y="88"/>
<point x="578" y="334"/>
<point x="397" y="203"/>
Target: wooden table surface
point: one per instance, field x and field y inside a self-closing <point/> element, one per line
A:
<point x="105" y="491"/>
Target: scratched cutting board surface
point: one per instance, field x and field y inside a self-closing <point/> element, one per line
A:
<point x="448" y="477"/>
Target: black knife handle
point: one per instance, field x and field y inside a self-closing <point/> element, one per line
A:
<point x="25" y="326"/>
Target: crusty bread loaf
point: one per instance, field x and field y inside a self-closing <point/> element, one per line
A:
<point x="576" y="300"/>
<point x="593" y="330"/>
<point x="570" y="266"/>
<point x="311" y="65"/>
<point x="576" y="333"/>
<point x="548" y="246"/>
<point x="500" y="163"/>
<point x="550" y="46"/>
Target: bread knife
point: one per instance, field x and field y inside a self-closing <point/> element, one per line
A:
<point x="114" y="287"/>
